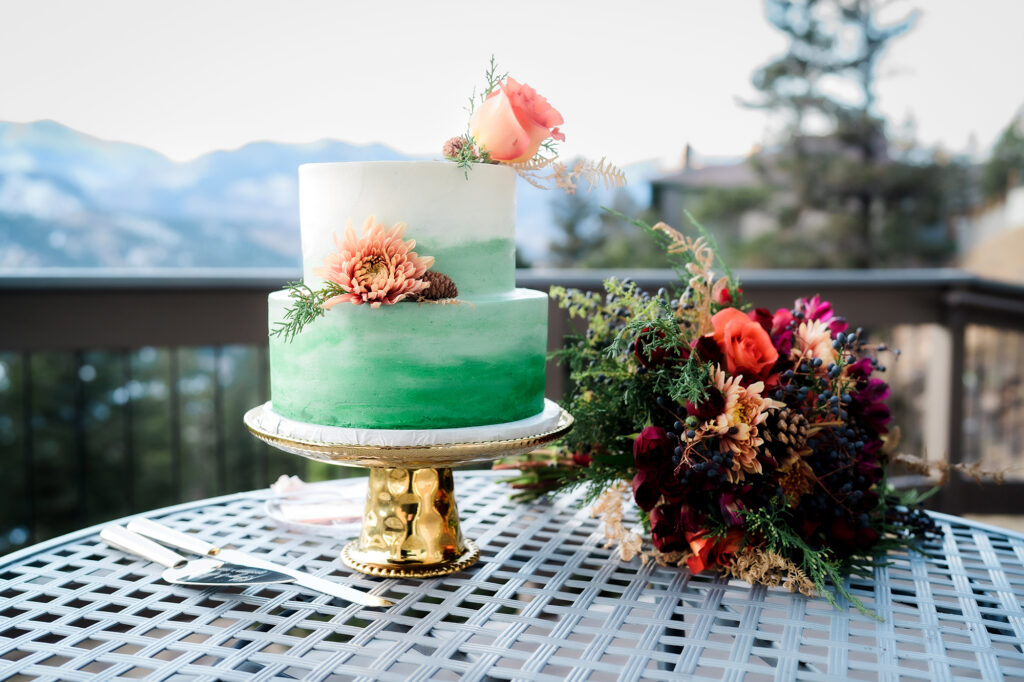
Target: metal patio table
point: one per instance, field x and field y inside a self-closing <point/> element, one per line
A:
<point x="546" y="602"/>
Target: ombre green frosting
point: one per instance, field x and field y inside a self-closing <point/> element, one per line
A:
<point x="414" y="366"/>
<point x="477" y="267"/>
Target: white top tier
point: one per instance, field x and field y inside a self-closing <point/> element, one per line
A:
<point x="466" y="223"/>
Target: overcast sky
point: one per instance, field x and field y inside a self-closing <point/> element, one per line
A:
<point x="634" y="80"/>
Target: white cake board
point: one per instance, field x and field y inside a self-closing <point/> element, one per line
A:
<point x="275" y="425"/>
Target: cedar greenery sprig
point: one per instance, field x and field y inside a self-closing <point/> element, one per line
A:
<point x="308" y="307"/>
<point x="493" y="78"/>
<point x="818" y="564"/>
<point x="611" y="395"/>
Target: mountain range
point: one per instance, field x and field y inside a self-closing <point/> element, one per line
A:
<point x="68" y="199"/>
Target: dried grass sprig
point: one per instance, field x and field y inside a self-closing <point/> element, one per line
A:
<point x="671" y="558"/>
<point x="608" y="508"/>
<point x="973" y="470"/>
<point x="763" y="567"/>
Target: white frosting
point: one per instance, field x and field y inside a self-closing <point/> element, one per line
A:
<point x="441" y="204"/>
<point x="268" y="421"/>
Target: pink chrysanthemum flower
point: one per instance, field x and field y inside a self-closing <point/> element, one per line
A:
<point x="813" y="339"/>
<point x="378" y="268"/>
<point x="737" y="426"/>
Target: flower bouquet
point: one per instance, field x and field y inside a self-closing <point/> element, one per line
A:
<point x="753" y="443"/>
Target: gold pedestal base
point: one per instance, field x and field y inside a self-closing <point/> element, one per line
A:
<point x="410" y="526"/>
<point x="410" y="523"/>
<point x="350" y="554"/>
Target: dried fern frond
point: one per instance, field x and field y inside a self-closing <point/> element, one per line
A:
<point x="601" y="173"/>
<point x="605" y="173"/>
<point x="694" y="309"/>
<point x="535" y="180"/>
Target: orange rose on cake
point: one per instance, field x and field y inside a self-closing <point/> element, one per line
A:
<point x="513" y="121"/>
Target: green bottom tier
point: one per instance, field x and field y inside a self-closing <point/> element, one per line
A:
<point x="413" y="366"/>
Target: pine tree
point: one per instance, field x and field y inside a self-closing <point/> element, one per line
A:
<point x="834" y="171"/>
<point x="572" y="215"/>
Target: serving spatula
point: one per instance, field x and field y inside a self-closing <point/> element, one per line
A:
<point x="190" y="572"/>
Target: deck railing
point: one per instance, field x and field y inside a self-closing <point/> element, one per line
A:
<point x="121" y="392"/>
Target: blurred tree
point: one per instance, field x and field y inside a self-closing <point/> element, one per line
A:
<point x="590" y="237"/>
<point x="573" y="215"/>
<point x="622" y="245"/>
<point x="1005" y="168"/>
<point x="843" y="195"/>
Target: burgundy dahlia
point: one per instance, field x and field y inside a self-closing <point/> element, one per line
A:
<point x="652" y="449"/>
<point x="709" y="408"/>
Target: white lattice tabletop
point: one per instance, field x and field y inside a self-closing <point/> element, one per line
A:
<point x="546" y="602"/>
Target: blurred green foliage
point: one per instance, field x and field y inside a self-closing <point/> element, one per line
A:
<point x="1005" y="167"/>
<point x="97" y="435"/>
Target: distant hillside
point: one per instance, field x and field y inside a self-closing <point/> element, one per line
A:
<point x="68" y="199"/>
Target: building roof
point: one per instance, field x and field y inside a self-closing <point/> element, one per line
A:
<point x="723" y="176"/>
<point x="741" y="173"/>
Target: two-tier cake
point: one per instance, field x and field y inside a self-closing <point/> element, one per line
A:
<point x="476" y="360"/>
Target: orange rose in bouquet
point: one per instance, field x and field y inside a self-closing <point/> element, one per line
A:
<point x="747" y="347"/>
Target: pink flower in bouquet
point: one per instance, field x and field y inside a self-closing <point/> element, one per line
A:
<point x="781" y="320"/>
<point x="869" y="402"/>
<point x="782" y="330"/>
<point x="813" y="339"/>
<point x="513" y="121"/>
<point x="737" y="425"/>
<point x="816" y="309"/>
<point x="747" y="346"/>
<point x="378" y="268"/>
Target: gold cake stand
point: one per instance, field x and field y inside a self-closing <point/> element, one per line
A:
<point x="411" y="522"/>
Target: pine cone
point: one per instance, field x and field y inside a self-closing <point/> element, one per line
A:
<point x="441" y="286"/>
<point x="785" y="436"/>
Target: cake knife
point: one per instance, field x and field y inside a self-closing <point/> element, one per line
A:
<point x="191" y="543"/>
<point x="182" y="571"/>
